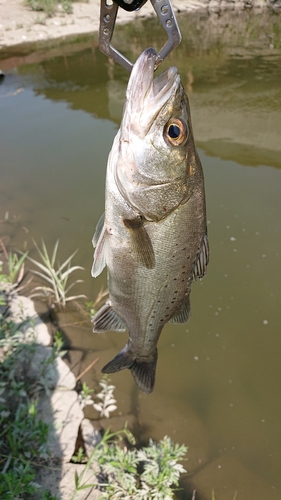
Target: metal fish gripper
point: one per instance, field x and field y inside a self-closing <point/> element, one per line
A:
<point x="108" y="14"/>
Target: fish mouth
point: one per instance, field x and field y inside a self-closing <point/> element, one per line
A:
<point x="147" y="95"/>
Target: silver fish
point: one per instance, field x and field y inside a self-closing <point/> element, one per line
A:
<point x="153" y="235"/>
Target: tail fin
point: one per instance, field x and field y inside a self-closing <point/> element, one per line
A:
<point x="143" y="371"/>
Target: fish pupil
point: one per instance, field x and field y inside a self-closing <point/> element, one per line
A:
<point x="174" y="131"/>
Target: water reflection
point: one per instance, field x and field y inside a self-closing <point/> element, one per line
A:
<point x="234" y="91"/>
<point x="218" y="378"/>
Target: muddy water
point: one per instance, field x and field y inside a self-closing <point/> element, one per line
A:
<point x="218" y="377"/>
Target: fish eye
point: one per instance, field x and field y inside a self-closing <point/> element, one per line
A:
<point x="175" y="131"/>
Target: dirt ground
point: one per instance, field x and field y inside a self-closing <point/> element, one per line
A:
<point x="20" y="25"/>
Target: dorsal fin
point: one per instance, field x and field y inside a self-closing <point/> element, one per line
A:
<point x="201" y="263"/>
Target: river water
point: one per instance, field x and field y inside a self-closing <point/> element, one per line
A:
<point x="218" y="377"/>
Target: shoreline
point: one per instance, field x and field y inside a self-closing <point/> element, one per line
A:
<point x="23" y="31"/>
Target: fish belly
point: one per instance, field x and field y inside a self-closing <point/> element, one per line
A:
<point x="144" y="298"/>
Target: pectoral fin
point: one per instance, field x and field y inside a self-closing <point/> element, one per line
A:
<point x="106" y="320"/>
<point x="202" y="260"/>
<point x="182" y="314"/>
<point x="99" y="242"/>
<point x="98" y="230"/>
<point x="140" y="242"/>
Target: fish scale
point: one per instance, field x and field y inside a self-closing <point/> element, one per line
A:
<point x="153" y="237"/>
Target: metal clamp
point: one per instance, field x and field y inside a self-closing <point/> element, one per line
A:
<point x="165" y="13"/>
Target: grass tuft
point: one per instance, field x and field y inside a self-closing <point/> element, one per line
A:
<point x="55" y="275"/>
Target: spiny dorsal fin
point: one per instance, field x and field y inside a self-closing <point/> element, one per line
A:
<point x="108" y="320"/>
<point x="200" y="267"/>
<point x="182" y="314"/>
<point x="99" y="242"/>
<point x="140" y="242"/>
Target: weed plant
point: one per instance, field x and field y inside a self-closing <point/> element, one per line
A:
<point x="149" y="473"/>
<point x="107" y="402"/>
<point x="55" y="275"/>
<point x="15" y="270"/>
<point x="50" y="6"/>
<point x="23" y="436"/>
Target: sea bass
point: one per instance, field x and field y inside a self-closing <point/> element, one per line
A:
<point x="153" y="236"/>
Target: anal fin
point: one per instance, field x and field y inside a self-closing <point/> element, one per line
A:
<point x="107" y="320"/>
<point x="140" y="242"/>
<point x="182" y="314"/>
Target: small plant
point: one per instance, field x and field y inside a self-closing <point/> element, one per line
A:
<point x="40" y="20"/>
<point x="67" y="6"/>
<point x="80" y="456"/>
<point x="18" y="481"/>
<point x="15" y="268"/>
<point x="93" y="306"/>
<point x="107" y="401"/>
<point x="48" y="6"/>
<point x="149" y="473"/>
<point x="58" y="344"/>
<point x="84" y="396"/>
<point x="56" y="278"/>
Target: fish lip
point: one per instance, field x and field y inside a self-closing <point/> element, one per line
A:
<point x="147" y="95"/>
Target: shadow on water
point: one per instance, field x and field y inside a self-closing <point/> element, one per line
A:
<point x="218" y="378"/>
